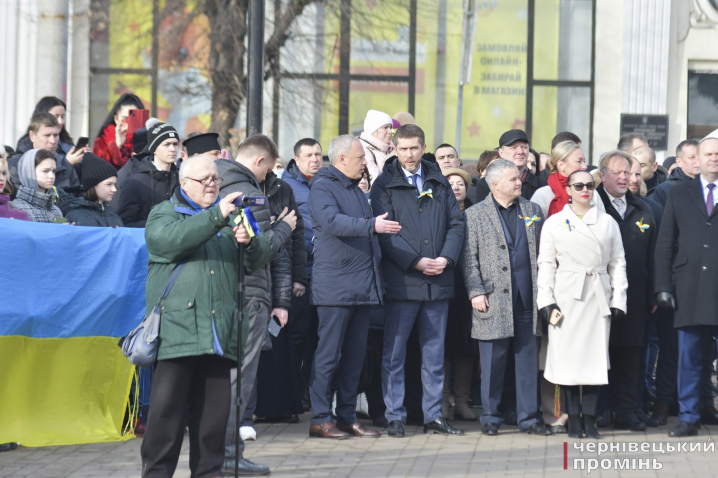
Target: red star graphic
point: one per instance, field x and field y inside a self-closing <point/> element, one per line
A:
<point x="474" y="129"/>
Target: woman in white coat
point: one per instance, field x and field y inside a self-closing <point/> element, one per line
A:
<point x="376" y="140"/>
<point x="582" y="274"/>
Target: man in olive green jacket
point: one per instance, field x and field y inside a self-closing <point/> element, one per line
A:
<point x="198" y="332"/>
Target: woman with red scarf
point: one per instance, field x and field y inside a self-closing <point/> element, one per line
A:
<point x="113" y="144"/>
<point x="566" y="158"/>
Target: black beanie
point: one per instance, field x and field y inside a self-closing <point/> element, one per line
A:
<point x="157" y="133"/>
<point x="139" y="140"/>
<point x="95" y="170"/>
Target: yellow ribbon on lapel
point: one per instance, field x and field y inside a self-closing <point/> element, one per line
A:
<point x="425" y="193"/>
<point x="530" y="220"/>
<point x="642" y="227"/>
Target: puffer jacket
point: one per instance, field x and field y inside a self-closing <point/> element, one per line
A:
<point x="271" y="284"/>
<point x="86" y="213"/>
<point x="145" y="189"/>
<point x="199" y="316"/>
<point x="347" y="255"/>
<point x="279" y="196"/>
<point x="66" y="176"/>
<point x="39" y="206"/>
<point x="430" y="227"/>
<point x="300" y="186"/>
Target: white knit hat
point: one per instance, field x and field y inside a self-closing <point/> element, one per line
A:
<point x="375" y="120"/>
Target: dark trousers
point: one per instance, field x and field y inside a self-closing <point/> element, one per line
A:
<point x="573" y="404"/>
<point x="341" y="350"/>
<point x="430" y="318"/>
<point x="691" y="367"/>
<point x="304" y="335"/>
<point x="667" y="367"/>
<point x="494" y="356"/>
<point x="202" y="384"/>
<point x="623" y="377"/>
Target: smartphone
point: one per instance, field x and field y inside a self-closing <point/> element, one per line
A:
<point x="250" y="201"/>
<point x="81" y="143"/>
<point x="274" y="326"/>
<point x="556" y="316"/>
<point x="136" y="120"/>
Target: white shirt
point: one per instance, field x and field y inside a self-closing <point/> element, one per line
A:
<point x="419" y="180"/>
<point x="619" y="204"/>
<point x="704" y="187"/>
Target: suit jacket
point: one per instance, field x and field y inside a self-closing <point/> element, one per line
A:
<point x="688" y="244"/>
<point x="639" y="243"/>
<point x="528" y="187"/>
<point x="485" y="264"/>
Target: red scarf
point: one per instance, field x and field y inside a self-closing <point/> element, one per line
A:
<point x="557" y="183"/>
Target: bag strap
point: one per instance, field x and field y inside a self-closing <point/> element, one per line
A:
<point x="170" y="282"/>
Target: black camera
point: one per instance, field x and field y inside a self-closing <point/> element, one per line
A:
<point x="250" y="201"/>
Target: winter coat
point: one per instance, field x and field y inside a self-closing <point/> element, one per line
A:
<point x="9" y="211"/>
<point x="639" y="244"/>
<point x="271" y="284"/>
<point x="124" y="174"/>
<point x="66" y="176"/>
<point x="86" y="213"/>
<point x="199" y="315"/>
<point x="430" y="227"/>
<point x="528" y="187"/>
<point x="39" y="206"/>
<point x="106" y="147"/>
<point x="145" y="189"/>
<point x="686" y="246"/>
<point x="347" y="255"/>
<point x="660" y="192"/>
<point x="300" y="186"/>
<point x="485" y="262"/>
<point x="659" y="177"/>
<point x="582" y="269"/>
<point x="376" y="152"/>
<point x="280" y="195"/>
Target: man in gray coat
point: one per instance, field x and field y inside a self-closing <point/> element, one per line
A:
<point x="499" y="265"/>
<point x="269" y="289"/>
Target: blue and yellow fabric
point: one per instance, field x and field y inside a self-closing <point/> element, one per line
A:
<point x="66" y="296"/>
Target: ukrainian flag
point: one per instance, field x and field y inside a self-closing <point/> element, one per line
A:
<point x="66" y="296"/>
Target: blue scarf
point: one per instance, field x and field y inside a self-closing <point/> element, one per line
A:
<point x="193" y="204"/>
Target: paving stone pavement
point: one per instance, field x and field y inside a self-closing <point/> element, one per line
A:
<point x="290" y="453"/>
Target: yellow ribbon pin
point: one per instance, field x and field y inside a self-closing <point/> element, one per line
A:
<point x="425" y="193"/>
<point x="642" y="227"/>
<point x="530" y="220"/>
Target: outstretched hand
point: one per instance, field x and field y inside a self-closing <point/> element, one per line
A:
<point x="382" y="226"/>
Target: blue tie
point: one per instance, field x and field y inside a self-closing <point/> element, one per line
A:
<point x="415" y="180"/>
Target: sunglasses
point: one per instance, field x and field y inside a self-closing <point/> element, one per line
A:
<point x="579" y="186"/>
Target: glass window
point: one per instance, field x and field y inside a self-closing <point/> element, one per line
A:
<point x="702" y="103"/>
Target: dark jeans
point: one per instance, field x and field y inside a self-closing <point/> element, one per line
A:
<point x="691" y="374"/>
<point x="202" y="383"/>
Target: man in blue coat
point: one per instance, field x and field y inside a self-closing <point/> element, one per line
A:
<point x="346" y="283"/>
<point x="417" y="264"/>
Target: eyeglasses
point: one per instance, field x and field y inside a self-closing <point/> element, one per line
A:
<point x="579" y="186"/>
<point x="208" y="181"/>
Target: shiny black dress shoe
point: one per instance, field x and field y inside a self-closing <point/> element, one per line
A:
<point x="396" y="429"/>
<point x="246" y="467"/>
<point x="630" y="422"/>
<point x="709" y="416"/>
<point x="538" y="429"/>
<point x="685" y="429"/>
<point x="660" y="413"/>
<point x="558" y="429"/>
<point x="650" y="422"/>
<point x="490" y="429"/>
<point x="440" y="427"/>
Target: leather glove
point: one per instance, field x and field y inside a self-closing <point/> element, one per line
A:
<point x="545" y="314"/>
<point x="617" y="314"/>
<point x="666" y="300"/>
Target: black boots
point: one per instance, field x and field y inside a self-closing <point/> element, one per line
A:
<point x="589" y="427"/>
<point x="575" y="427"/>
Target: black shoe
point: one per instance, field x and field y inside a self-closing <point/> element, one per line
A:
<point x="575" y="427"/>
<point x="8" y="446"/>
<point x="709" y="416"/>
<point x="605" y="419"/>
<point x="396" y="429"/>
<point x="630" y="422"/>
<point x="660" y="412"/>
<point x="558" y="429"/>
<point x="650" y="422"/>
<point x="490" y="429"/>
<point x="381" y="422"/>
<point x="537" y="429"/>
<point x="685" y="429"/>
<point x="440" y="427"/>
<point x="589" y="427"/>
<point x="246" y="467"/>
<point x="510" y="417"/>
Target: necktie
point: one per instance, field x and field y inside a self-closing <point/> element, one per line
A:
<point x="710" y="202"/>
<point x="618" y="204"/>
<point x="415" y="180"/>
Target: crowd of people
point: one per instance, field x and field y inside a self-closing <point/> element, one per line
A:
<point x="562" y="297"/>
